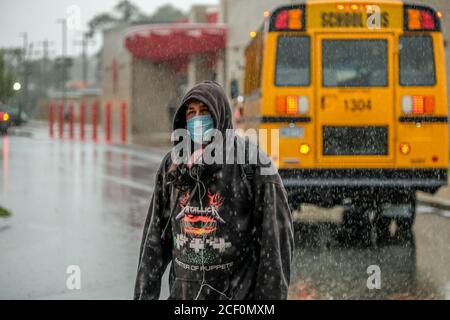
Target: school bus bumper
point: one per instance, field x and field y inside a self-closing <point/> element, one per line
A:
<point x="331" y="186"/>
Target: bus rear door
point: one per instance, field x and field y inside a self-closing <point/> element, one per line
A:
<point x="355" y="100"/>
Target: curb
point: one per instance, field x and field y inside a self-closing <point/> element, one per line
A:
<point x="20" y="133"/>
<point x="27" y="132"/>
<point x="440" y="204"/>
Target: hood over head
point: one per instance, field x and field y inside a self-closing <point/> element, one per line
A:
<point x="213" y="96"/>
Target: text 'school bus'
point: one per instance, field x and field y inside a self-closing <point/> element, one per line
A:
<point x="358" y="93"/>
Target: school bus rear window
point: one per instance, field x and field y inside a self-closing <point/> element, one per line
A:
<point x="293" y="61"/>
<point x="417" y="61"/>
<point x="354" y="63"/>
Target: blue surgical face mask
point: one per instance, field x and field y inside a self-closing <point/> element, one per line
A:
<point x="200" y="128"/>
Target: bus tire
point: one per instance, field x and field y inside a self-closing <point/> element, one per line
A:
<point x="383" y="225"/>
<point x="357" y="227"/>
<point x="405" y="224"/>
<point x="295" y="203"/>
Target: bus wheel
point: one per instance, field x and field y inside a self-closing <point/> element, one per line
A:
<point x="295" y="203"/>
<point x="382" y="225"/>
<point x="405" y="224"/>
<point x="358" y="226"/>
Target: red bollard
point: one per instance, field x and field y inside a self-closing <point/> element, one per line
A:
<point x="123" y="109"/>
<point x="61" y="119"/>
<point x="71" y="119"/>
<point x="94" y="120"/>
<point x="51" y="118"/>
<point x="108" y="122"/>
<point x="82" y="115"/>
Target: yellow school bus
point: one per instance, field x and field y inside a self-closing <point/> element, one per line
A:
<point x="357" y="90"/>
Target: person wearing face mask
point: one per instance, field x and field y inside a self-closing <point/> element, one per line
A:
<point x="226" y="230"/>
<point x="199" y="122"/>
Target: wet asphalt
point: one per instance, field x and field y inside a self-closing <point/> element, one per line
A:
<point x="84" y="204"/>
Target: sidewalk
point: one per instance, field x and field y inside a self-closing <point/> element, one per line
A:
<point x="39" y="129"/>
<point x="440" y="200"/>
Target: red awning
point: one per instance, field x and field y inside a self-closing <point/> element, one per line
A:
<point x="174" y="41"/>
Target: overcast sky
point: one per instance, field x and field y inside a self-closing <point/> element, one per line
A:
<point x="39" y="19"/>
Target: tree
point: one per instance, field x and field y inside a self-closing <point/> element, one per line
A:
<point x="129" y="12"/>
<point x="100" y="21"/>
<point x="166" y="14"/>
<point x="7" y="80"/>
<point x="125" y="12"/>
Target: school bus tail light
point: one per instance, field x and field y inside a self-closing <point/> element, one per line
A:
<point x="405" y="148"/>
<point x="292" y="105"/>
<point x="289" y="19"/>
<point x="303" y="105"/>
<point x="418" y="105"/>
<point x="305" y="149"/>
<point x="282" y="20"/>
<point x="419" y="18"/>
<point x="428" y="22"/>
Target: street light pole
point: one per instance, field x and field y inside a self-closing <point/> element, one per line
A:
<point x="84" y="43"/>
<point x="24" y="101"/>
<point x="45" y="53"/>
<point x="64" y="54"/>
<point x="85" y="62"/>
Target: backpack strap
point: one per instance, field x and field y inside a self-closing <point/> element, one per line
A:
<point x="247" y="176"/>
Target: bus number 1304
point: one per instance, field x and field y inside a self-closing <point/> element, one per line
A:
<point x="355" y="105"/>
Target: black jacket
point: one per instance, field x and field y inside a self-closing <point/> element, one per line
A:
<point x="236" y="244"/>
